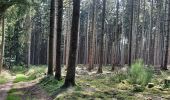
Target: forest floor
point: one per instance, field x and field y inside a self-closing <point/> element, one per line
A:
<point x="110" y="86"/>
<point x="34" y="85"/>
<point x="27" y="91"/>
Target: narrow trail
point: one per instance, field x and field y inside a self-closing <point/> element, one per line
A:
<point x="4" y="88"/>
<point x="30" y="91"/>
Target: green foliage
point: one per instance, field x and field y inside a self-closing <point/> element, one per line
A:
<point x="125" y="96"/>
<point x="24" y="75"/>
<point x="117" y="78"/>
<point x="21" y="78"/>
<point x="139" y="74"/>
<point x="12" y="94"/>
<point x="138" y="88"/>
<point x="18" y="69"/>
<point x="50" y="84"/>
<point x="2" y="80"/>
<point x="12" y="97"/>
<point x="36" y="72"/>
<point x="5" y="76"/>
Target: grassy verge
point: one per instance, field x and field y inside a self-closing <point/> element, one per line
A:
<point x="29" y="74"/>
<point x="5" y="76"/>
<point x="12" y="94"/>
<point x="50" y="85"/>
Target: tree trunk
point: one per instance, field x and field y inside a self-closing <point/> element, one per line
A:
<point x="29" y="40"/>
<point x="92" y="38"/>
<point x="70" y="76"/>
<point x="58" y="49"/>
<point x="116" y="44"/>
<point x="2" y="22"/>
<point x="151" y="46"/>
<point x="51" y="38"/>
<point x="167" y="41"/>
<point x="101" y="39"/>
<point x="130" y="35"/>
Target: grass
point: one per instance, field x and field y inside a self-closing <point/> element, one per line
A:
<point x="2" y="80"/>
<point x="98" y="86"/>
<point x="24" y="75"/>
<point x="30" y="74"/>
<point x="21" y="78"/>
<point x="139" y="74"/>
<point x="12" y="95"/>
<point x="5" y="76"/>
<point x="50" y="84"/>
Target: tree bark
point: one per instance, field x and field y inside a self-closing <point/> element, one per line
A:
<point x="29" y="41"/>
<point x="130" y="35"/>
<point x="70" y="76"/>
<point x="51" y="38"/>
<point x="92" y="38"/>
<point x="101" y="38"/>
<point x="2" y="22"/>
<point x="58" y="49"/>
<point x="167" y="41"/>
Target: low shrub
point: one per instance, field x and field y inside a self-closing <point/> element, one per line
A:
<point x="21" y="78"/>
<point x="139" y="74"/>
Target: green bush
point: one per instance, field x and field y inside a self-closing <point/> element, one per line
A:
<point x="21" y="78"/>
<point x="139" y="74"/>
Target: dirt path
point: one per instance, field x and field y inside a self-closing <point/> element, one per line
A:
<point x="4" y="90"/>
<point x="30" y="91"/>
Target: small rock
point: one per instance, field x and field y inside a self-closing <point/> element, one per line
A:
<point x="87" y="84"/>
<point x="150" y="85"/>
<point x="149" y="98"/>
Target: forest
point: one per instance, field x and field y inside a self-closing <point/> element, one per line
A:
<point x="84" y="49"/>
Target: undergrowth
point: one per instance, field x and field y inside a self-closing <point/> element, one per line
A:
<point x="139" y="74"/>
<point x="30" y="74"/>
<point x="5" y="76"/>
<point x="50" y="84"/>
<point x="12" y="94"/>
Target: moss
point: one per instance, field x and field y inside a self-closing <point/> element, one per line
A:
<point x="117" y="78"/>
<point x="21" y="78"/>
<point x="30" y="74"/>
<point x="125" y="96"/>
<point x="124" y="86"/>
<point x="2" y="80"/>
<point x="50" y="84"/>
<point x="138" y="88"/>
<point x="13" y="94"/>
<point x="82" y="95"/>
<point x="13" y="97"/>
<point x="5" y="76"/>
